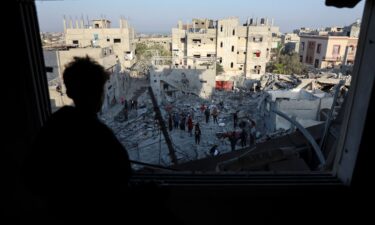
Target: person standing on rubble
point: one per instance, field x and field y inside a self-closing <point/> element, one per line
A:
<point x="190" y="125"/>
<point x="202" y="108"/>
<point x="125" y="111"/>
<point x="213" y="151"/>
<point x="215" y="114"/>
<point x="197" y="134"/>
<point x="221" y="104"/>
<point x="207" y="114"/>
<point x="252" y="133"/>
<point x="126" y="104"/>
<point x="170" y="126"/>
<point x="182" y="122"/>
<point x="233" y="140"/>
<point x="176" y="120"/>
<point x="243" y="138"/>
<point x="235" y="119"/>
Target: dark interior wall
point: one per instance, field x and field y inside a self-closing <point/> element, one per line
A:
<point x="26" y="101"/>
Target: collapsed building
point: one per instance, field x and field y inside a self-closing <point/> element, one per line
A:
<point x="281" y="106"/>
<point x="57" y="59"/>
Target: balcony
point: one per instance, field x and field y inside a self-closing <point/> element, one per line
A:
<point x="332" y="59"/>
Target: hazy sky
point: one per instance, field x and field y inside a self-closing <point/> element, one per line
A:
<point x="161" y="15"/>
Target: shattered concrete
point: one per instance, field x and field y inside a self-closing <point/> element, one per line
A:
<point x="297" y="96"/>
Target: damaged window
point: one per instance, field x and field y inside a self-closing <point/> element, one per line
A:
<point x="197" y="41"/>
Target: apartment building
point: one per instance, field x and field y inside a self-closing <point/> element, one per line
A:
<point x="291" y="42"/>
<point x="99" y="33"/>
<point x="327" y="51"/>
<point x="241" y="49"/>
<point x="56" y="60"/>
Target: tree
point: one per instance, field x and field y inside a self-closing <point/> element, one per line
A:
<point x="147" y="52"/>
<point x="287" y="64"/>
<point x="219" y="69"/>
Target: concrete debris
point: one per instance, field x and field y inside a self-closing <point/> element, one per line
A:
<point x="246" y="109"/>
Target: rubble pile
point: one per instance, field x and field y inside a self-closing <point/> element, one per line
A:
<point x="278" y="81"/>
<point x="140" y="132"/>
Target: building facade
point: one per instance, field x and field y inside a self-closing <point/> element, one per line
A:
<point x="291" y="42"/>
<point x="241" y="49"/>
<point x="327" y="51"/>
<point x="58" y="59"/>
<point x="100" y="34"/>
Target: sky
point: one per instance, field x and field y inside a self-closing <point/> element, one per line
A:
<point x="160" y="16"/>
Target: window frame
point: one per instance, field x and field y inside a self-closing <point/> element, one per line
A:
<point x="347" y="150"/>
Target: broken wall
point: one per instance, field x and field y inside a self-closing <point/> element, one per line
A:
<point x="299" y="105"/>
<point x="200" y="82"/>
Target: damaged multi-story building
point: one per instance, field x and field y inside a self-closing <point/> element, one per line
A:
<point x="99" y="33"/>
<point x="241" y="49"/>
<point x="56" y="60"/>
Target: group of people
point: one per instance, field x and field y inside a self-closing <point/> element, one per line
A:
<point x="207" y="112"/>
<point x="125" y="109"/>
<point x="180" y="120"/>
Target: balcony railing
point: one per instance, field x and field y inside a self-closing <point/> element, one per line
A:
<point x="335" y="59"/>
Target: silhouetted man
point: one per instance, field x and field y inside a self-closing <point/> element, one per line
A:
<point x="77" y="165"/>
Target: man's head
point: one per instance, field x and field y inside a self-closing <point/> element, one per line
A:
<point x="84" y="80"/>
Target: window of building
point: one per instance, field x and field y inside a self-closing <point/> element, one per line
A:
<point x="257" y="39"/>
<point x="319" y="48"/>
<point x="108" y="40"/>
<point x="256" y="54"/>
<point x="351" y="49"/>
<point x="234" y="32"/>
<point x="300" y="58"/>
<point x="303" y="46"/>
<point x="197" y="41"/>
<point x="221" y="60"/>
<point x="336" y="50"/>
<point x="117" y="40"/>
<point x="256" y="68"/>
<point x="75" y="42"/>
<point x="316" y="63"/>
